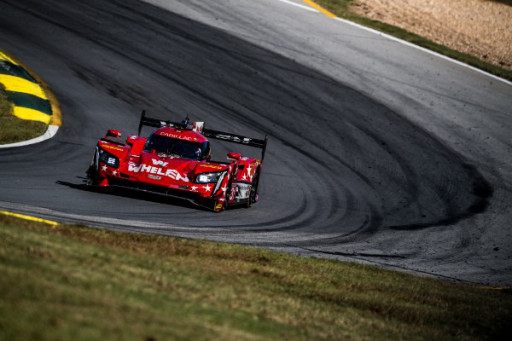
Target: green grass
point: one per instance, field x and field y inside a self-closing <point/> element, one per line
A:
<point x="74" y="283"/>
<point x="342" y="9"/>
<point x="13" y="129"/>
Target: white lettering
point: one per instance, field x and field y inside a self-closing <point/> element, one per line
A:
<point x="170" y="173"/>
<point x="159" y="163"/>
<point x="133" y="168"/>
<point x="181" y="178"/>
<point x="175" y="136"/>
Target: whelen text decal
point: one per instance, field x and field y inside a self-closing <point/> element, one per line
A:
<point x="170" y="173"/>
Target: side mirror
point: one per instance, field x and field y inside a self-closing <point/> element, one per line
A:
<point x="114" y="133"/>
<point x="130" y="139"/>
<point x="235" y="156"/>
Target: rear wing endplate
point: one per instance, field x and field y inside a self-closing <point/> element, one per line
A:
<point x="153" y="122"/>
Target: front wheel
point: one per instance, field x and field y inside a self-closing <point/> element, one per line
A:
<point x="93" y="171"/>
<point x="218" y="205"/>
<point x="215" y="205"/>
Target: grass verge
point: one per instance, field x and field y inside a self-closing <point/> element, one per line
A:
<point x="71" y="282"/>
<point x="13" y="129"/>
<point x="342" y="9"/>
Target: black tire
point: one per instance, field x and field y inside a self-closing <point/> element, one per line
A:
<point x="228" y="191"/>
<point x="214" y="203"/>
<point x="92" y="172"/>
<point x="254" y="188"/>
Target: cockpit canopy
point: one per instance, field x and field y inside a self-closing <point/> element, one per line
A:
<point x="176" y="147"/>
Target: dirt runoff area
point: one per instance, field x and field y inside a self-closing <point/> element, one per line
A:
<point x="482" y="28"/>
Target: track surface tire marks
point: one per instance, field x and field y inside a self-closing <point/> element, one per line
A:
<point x="341" y="168"/>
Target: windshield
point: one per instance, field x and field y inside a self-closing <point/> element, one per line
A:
<point x="181" y="148"/>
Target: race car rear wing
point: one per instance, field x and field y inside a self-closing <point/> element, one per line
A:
<point x="248" y="141"/>
<point x="153" y="122"/>
<point x="214" y="134"/>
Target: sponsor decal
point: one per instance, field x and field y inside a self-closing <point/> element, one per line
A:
<point x="242" y="191"/>
<point x="249" y="173"/>
<point x="177" y="136"/>
<point x="106" y="146"/>
<point x="159" y="163"/>
<point x="198" y="127"/>
<point x="170" y="173"/>
<point x="111" y="161"/>
<point x="154" y="177"/>
<point x="232" y="195"/>
<point x="245" y="140"/>
<point x="212" y="166"/>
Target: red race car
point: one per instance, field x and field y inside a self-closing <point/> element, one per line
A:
<point x="175" y="160"/>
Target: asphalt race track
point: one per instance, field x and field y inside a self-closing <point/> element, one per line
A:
<point x="379" y="152"/>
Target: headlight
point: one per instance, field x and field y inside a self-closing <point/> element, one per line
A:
<point x="206" y="178"/>
<point x="108" y="158"/>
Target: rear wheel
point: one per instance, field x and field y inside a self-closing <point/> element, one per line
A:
<point x="227" y="194"/>
<point x="253" y="196"/>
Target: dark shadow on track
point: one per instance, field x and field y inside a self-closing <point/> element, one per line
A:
<point x="133" y="194"/>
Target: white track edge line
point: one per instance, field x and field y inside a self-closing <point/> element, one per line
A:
<point x="50" y="132"/>
<point x="424" y="49"/>
<point x="407" y="44"/>
<point x="307" y="8"/>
